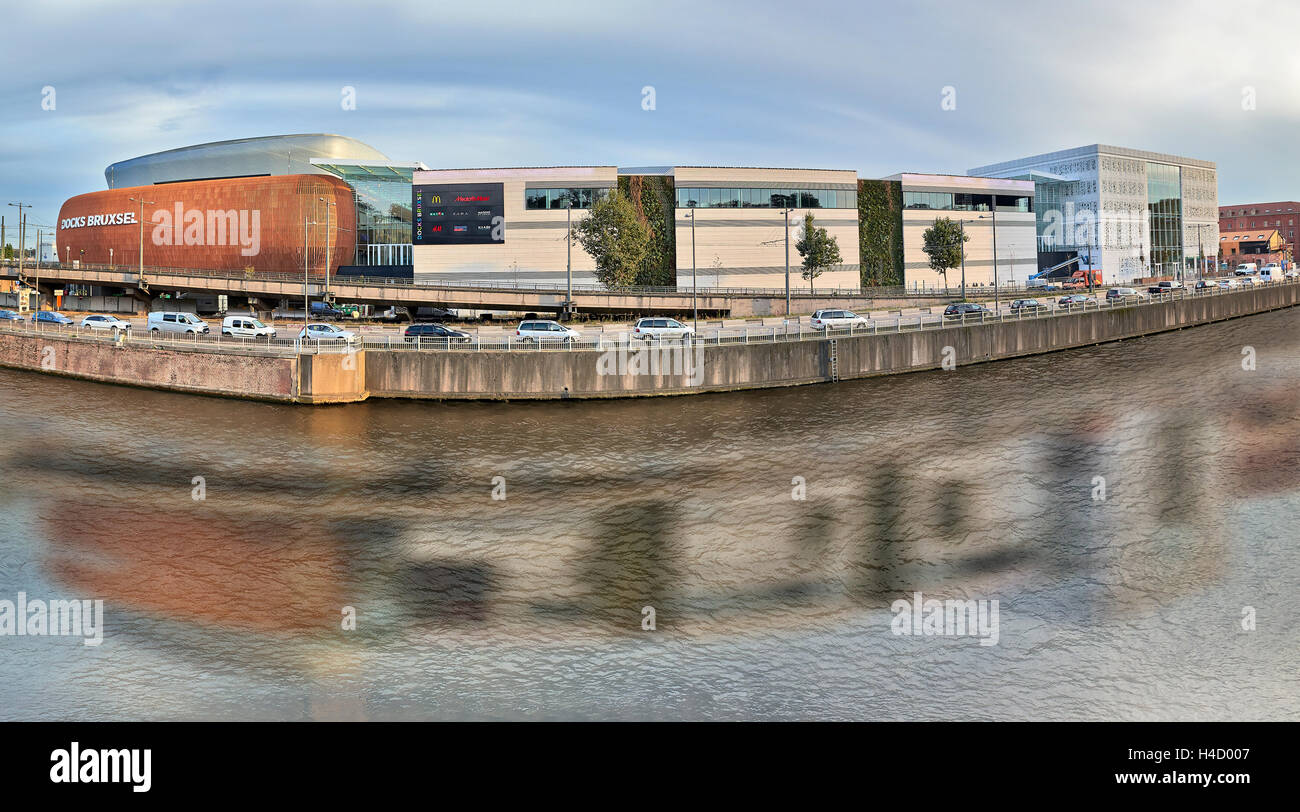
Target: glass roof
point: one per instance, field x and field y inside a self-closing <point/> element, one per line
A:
<point x="370" y="170"/>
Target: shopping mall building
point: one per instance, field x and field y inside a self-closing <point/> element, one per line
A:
<point x="289" y="202"/>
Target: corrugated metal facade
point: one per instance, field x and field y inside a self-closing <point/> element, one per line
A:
<point x="214" y="224"/>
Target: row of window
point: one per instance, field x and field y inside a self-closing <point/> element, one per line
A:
<point x="579" y="197"/>
<point x="1245" y="212"/>
<point x="689" y="198"/>
<point x="961" y="201"/>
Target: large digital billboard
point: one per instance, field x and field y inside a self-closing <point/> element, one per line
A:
<point x="458" y="213"/>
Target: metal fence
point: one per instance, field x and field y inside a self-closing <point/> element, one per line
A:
<point x="214" y="342"/>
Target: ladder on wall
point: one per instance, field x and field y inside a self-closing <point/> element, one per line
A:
<point x="835" y="360"/>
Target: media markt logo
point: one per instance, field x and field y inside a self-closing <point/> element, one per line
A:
<point x="950" y="618"/>
<point x="683" y="358"/>
<point x="54" y="618"/>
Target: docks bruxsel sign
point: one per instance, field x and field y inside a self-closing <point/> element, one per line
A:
<point x="458" y="213"/>
<point x="120" y="218"/>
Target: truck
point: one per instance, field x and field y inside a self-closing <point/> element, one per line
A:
<point x="1079" y="280"/>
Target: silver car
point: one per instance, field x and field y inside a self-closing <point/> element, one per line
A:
<point x="101" y="322"/>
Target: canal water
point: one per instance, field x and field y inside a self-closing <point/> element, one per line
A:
<point x="1131" y="508"/>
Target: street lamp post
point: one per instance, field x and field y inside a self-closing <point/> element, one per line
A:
<point x="961" y="227"/>
<point x="21" y="236"/>
<point x="568" y="253"/>
<point x="306" y="297"/>
<point x="142" y="203"/>
<point x="327" y="203"/>
<point x="695" y="314"/>
<point x="786" y="211"/>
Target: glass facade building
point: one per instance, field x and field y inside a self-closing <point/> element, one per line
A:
<point x="383" y="201"/>
<point x="1165" y="208"/>
<point x="571" y="197"/>
<point x="959" y="201"/>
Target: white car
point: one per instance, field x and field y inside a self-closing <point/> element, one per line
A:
<point x="837" y="320"/>
<point x="325" y="332"/>
<point x="170" y="321"/>
<point x="1228" y="284"/>
<point x="246" y="327"/>
<point x="661" y="328"/>
<point x="545" y="330"/>
<point x="105" y="323"/>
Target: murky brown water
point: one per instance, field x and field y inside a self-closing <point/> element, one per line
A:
<point x="977" y="483"/>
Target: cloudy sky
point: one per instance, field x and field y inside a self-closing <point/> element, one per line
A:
<point x="835" y="85"/>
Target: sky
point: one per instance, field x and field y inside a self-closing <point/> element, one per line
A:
<point x="827" y="85"/>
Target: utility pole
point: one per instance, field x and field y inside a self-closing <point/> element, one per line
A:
<point x="695" y="314"/>
<point x="306" y="297"/>
<point x="786" y="211"/>
<point x="996" y="303"/>
<point x="22" y="206"/>
<point x="141" y="282"/>
<point x="568" y="253"/>
<point x="327" y="203"/>
<point x="961" y="227"/>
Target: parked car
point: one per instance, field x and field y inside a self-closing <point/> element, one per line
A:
<point x="1247" y="281"/>
<point x="50" y="317"/>
<point x="1026" y="304"/>
<point x="837" y="320"/>
<point x="164" y="321"/>
<point x="436" y="331"/>
<point x="326" y="332"/>
<point x="246" y="327"/>
<point x="545" y="330"/>
<point x="661" y="328"/>
<point x="100" y="322"/>
<point x="1075" y="300"/>
<point x="962" y="309"/>
<point x="1202" y="284"/>
<point x="1122" y="294"/>
<point x="325" y="310"/>
<point x="9" y="315"/>
<point x="1229" y="284"/>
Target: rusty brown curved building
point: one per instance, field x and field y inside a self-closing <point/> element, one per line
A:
<point x="221" y="224"/>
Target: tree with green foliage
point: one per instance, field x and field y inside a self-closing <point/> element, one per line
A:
<point x="9" y="251"/>
<point x="943" y="245"/>
<point x="616" y="237"/>
<point x="654" y="198"/>
<point x="819" y="250"/>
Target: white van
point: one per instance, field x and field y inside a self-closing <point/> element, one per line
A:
<point x="166" y="321"/>
<point x="1271" y="273"/>
<point x="246" y="327"/>
<point x="1246" y="269"/>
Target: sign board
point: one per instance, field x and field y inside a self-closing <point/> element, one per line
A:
<point x="458" y="213"/>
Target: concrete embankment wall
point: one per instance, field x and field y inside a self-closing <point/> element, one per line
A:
<point x="330" y="378"/>
<point x="524" y="374"/>
<point x="529" y="374"/>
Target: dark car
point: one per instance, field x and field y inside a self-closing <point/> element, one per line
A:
<point x="1075" y="300"/>
<point x="325" y="309"/>
<point x="416" y="331"/>
<point x="1027" y="304"/>
<point x="962" y="309"/>
<point x="50" y="317"/>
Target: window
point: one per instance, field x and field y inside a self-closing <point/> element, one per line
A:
<point x="580" y="197"/>
<point x="766" y="198"/>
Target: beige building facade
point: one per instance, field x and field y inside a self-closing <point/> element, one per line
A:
<point x="515" y="222"/>
<point x="971" y="202"/>
<point x="740" y="235"/>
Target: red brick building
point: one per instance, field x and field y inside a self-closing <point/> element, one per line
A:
<point x="1262" y="218"/>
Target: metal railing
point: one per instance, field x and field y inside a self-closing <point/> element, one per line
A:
<point x="215" y="342"/>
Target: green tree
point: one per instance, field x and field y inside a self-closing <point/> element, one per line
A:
<point x="616" y="237"/>
<point x="943" y="245"/>
<point x="818" y="249"/>
<point x="9" y="251"/>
